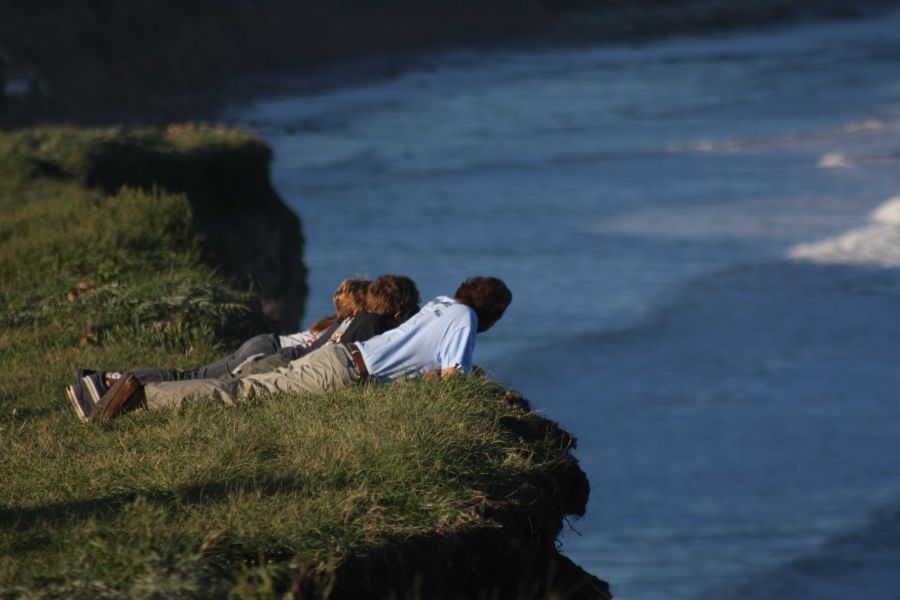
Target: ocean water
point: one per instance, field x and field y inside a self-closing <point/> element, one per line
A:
<point x="702" y="236"/>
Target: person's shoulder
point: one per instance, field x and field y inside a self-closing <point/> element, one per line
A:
<point x="457" y="310"/>
<point x="444" y="304"/>
<point x="445" y="301"/>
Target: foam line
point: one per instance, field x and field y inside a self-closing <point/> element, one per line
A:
<point x="876" y="244"/>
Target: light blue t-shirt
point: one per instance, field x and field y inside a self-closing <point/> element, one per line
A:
<point x="440" y="336"/>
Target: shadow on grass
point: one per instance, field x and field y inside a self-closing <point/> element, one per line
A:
<point x="22" y="519"/>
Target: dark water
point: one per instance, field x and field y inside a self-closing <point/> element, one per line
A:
<point x="703" y="293"/>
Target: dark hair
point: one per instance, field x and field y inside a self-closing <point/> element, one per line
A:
<point x="487" y="296"/>
<point x="392" y="295"/>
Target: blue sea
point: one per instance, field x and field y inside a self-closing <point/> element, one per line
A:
<point x="702" y="236"/>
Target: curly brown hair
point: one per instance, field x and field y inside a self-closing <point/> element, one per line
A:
<point x="392" y="295"/>
<point x="487" y="296"/>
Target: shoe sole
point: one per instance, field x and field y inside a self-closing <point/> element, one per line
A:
<point x="91" y="387"/>
<point x="73" y="398"/>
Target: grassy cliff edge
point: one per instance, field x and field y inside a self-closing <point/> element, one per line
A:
<point x="422" y="489"/>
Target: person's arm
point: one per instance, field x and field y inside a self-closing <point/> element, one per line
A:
<point x="442" y="373"/>
<point x="455" y="352"/>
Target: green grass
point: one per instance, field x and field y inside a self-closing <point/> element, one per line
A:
<point x="300" y="480"/>
<point x="205" y="501"/>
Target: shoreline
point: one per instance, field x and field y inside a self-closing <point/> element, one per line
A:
<point x="177" y="88"/>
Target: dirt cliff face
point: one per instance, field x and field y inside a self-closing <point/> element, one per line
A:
<point x="248" y="231"/>
<point x="508" y="551"/>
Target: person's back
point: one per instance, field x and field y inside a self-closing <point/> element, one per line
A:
<point x="441" y="337"/>
<point x="438" y="337"/>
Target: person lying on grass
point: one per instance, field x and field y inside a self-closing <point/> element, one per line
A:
<point x="349" y="299"/>
<point x="363" y="309"/>
<point x="439" y="340"/>
<point x="390" y="300"/>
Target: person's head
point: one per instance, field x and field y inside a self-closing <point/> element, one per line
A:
<point x="393" y="295"/>
<point x="487" y="296"/>
<point x="350" y="297"/>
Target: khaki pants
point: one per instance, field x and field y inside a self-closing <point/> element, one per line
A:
<point x="328" y="367"/>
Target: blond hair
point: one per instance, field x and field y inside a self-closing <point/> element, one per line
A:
<point x="350" y="297"/>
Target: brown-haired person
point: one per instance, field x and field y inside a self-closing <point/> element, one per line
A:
<point x="390" y="300"/>
<point x="439" y="339"/>
<point x="349" y="299"/>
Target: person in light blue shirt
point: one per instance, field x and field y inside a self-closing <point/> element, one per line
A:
<point x="440" y="337"/>
<point x="439" y="340"/>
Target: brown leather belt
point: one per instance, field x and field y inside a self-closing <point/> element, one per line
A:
<point x="358" y="359"/>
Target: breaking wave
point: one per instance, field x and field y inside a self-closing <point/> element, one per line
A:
<point x="875" y="244"/>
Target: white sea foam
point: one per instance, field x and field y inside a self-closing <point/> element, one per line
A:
<point x="785" y="219"/>
<point x="888" y="213"/>
<point x="871" y="124"/>
<point x="834" y="160"/>
<point x="876" y="244"/>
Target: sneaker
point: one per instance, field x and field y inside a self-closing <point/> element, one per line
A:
<point x="82" y="404"/>
<point x="95" y="384"/>
<point x="123" y="396"/>
<point x="82" y="373"/>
